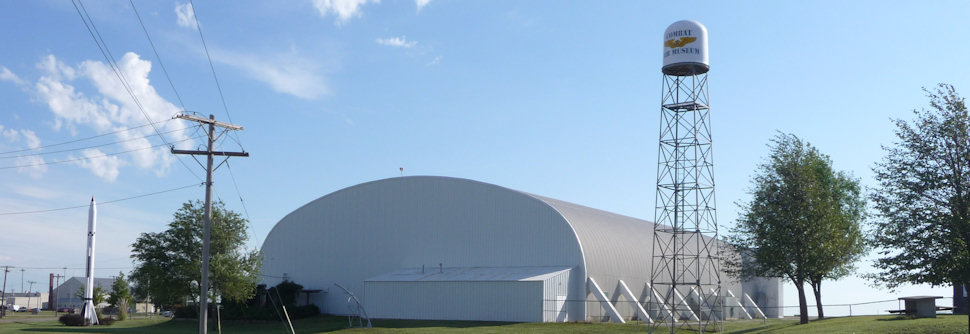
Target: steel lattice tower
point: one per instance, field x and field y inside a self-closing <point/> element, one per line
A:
<point x="686" y="267"/>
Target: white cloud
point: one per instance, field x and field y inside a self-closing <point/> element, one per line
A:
<point x="185" y="14"/>
<point x="288" y="73"/>
<point x="32" y="141"/>
<point x="56" y="68"/>
<point x="31" y="165"/>
<point x="6" y="75"/>
<point x="434" y="61"/>
<point x="421" y="3"/>
<point x="105" y="167"/>
<point x="401" y="42"/>
<point x="69" y="107"/>
<point x="343" y="9"/>
<point x="9" y="134"/>
<point x="110" y="110"/>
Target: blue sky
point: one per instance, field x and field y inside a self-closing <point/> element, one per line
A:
<point x="559" y="99"/>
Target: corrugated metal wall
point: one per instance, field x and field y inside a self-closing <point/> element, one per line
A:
<point x="554" y="293"/>
<point x="463" y="300"/>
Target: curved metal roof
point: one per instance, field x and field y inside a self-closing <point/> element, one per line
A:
<point x="614" y="246"/>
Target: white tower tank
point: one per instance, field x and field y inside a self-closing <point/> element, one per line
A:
<point x="685" y="49"/>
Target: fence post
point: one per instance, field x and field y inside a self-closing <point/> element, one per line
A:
<point x="850" y="310"/>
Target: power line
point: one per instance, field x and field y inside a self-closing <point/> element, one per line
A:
<point x="179" y="97"/>
<point x="100" y="203"/>
<point x="94" y="157"/>
<point x="233" y="177"/>
<point x="103" y="47"/>
<point x="224" y="105"/>
<point x="69" y="268"/>
<point x="213" y="68"/>
<point x="81" y="139"/>
<point x="87" y="147"/>
<point x="238" y="193"/>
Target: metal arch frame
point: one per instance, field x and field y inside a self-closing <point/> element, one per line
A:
<point x="361" y="312"/>
<point x="685" y="253"/>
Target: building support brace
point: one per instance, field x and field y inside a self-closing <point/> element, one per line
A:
<point x="702" y="302"/>
<point x="743" y="309"/>
<point x="663" y="307"/>
<point x="641" y="313"/>
<point x="682" y="300"/>
<point x="755" y="306"/>
<point x="604" y="302"/>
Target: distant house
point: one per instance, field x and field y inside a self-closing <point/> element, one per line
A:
<point x="66" y="293"/>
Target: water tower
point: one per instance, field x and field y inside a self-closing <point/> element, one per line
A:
<point x="686" y="270"/>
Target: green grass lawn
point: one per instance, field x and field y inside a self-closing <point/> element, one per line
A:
<point x="865" y="324"/>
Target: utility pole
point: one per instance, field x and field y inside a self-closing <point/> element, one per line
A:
<point x="57" y="291"/>
<point x="210" y="154"/>
<point x="28" y="293"/>
<point x="148" y="298"/>
<point x="21" y="279"/>
<point x="3" y="293"/>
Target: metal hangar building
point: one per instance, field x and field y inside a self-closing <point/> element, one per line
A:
<point x="441" y="248"/>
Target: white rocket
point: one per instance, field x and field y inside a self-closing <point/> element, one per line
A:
<point x="87" y="310"/>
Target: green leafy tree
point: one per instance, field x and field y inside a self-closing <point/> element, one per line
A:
<point x="120" y="296"/>
<point x="923" y="197"/>
<point x="97" y="297"/>
<point x="287" y="291"/>
<point x="802" y="223"/>
<point x="168" y="263"/>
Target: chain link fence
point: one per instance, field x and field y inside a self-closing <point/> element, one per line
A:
<point x="555" y="310"/>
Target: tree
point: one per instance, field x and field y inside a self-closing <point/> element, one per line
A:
<point x="287" y="292"/>
<point x="168" y="263"/>
<point x="120" y="296"/>
<point x="839" y="240"/>
<point x="97" y="297"/>
<point x="923" y="197"/>
<point x="802" y="223"/>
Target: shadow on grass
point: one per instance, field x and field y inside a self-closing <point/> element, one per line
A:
<point x="775" y="327"/>
<point x="390" y="323"/>
<point x="763" y="329"/>
<point x="898" y="317"/>
<point x="157" y="328"/>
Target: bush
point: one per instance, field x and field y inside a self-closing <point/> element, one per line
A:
<point x="72" y="319"/>
<point x="285" y="292"/>
<point x="106" y="321"/>
<point x="75" y="319"/>
<point x="187" y="312"/>
<point x="304" y="311"/>
<point x="246" y="312"/>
